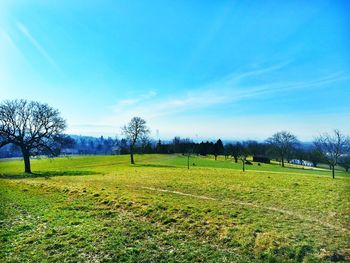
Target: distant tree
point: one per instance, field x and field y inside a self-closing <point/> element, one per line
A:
<point x="243" y="154"/>
<point x="176" y="143"/>
<point x="205" y="148"/>
<point x="300" y="154"/>
<point x="200" y="149"/>
<point x="333" y="147"/>
<point x="209" y="147"/>
<point x="109" y="144"/>
<point x="134" y="132"/>
<point x="34" y="127"/>
<point x="146" y="146"/>
<point x="124" y="147"/>
<point x="228" y="149"/>
<point x="187" y="145"/>
<point x="254" y="148"/>
<point x="283" y="143"/>
<point x="345" y="162"/>
<point x="237" y="149"/>
<point x="159" y="146"/>
<point x="66" y="142"/>
<point x="92" y="146"/>
<point x="189" y="151"/>
<point x="314" y="156"/>
<point x="218" y="148"/>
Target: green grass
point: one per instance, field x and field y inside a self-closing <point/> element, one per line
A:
<point x="100" y="208"/>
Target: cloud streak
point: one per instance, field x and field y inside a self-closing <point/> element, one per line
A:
<point x="225" y="91"/>
<point x="24" y="30"/>
<point x="4" y="35"/>
<point x="125" y="103"/>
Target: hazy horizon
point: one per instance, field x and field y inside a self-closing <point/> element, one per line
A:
<point x="203" y="70"/>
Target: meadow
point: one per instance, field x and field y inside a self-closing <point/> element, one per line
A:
<point x="102" y="209"/>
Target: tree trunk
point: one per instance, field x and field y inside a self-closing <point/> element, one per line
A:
<point x="132" y="154"/>
<point x="347" y="169"/>
<point x="132" y="158"/>
<point x="333" y="175"/>
<point x="188" y="161"/>
<point x="282" y="161"/>
<point x="243" y="164"/>
<point x="216" y="157"/>
<point x="26" y="159"/>
<point x="236" y="159"/>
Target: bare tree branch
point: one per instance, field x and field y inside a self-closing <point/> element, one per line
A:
<point x="333" y="147"/>
<point x="30" y="125"/>
<point x="135" y="131"/>
<point x="283" y="143"/>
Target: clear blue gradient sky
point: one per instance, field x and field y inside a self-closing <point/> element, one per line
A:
<point x="200" y="69"/>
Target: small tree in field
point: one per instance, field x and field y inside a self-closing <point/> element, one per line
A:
<point x="236" y="151"/>
<point x="333" y="147"/>
<point x="218" y="148"/>
<point x="314" y="156"/>
<point x="345" y="162"/>
<point x="228" y="148"/>
<point x="135" y="131"/>
<point x="244" y="153"/>
<point x="34" y="127"/>
<point x="283" y="143"/>
<point x="300" y="154"/>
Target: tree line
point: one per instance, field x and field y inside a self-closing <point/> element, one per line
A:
<point x="32" y="128"/>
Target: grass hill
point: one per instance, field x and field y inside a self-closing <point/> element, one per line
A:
<point x="100" y="208"/>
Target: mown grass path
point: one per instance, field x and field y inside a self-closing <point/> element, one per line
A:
<point x="275" y="209"/>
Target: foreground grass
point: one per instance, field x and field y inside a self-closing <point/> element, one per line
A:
<point x="100" y="208"/>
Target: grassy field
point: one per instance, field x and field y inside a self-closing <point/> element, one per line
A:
<point x="100" y="208"/>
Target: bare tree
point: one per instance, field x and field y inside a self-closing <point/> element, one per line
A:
<point x="135" y="131"/>
<point x="236" y="151"/>
<point x="228" y="148"/>
<point x="282" y="144"/>
<point x="345" y="162"/>
<point x="333" y="147"/>
<point x="243" y="154"/>
<point x="34" y="127"/>
<point x="314" y="156"/>
<point x="218" y="148"/>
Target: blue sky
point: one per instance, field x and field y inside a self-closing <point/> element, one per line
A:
<point x="200" y="69"/>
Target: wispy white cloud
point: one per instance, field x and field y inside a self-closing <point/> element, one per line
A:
<point x="11" y="61"/>
<point x="235" y="77"/>
<point x="225" y="91"/>
<point x="24" y="30"/>
<point x="6" y="37"/>
<point x="125" y="104"/>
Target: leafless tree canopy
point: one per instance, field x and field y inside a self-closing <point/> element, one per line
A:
<point x="333" y="147"/>
<point x="2" y="141"/>
<point x="135" y="131"/>
<point x="243" y="154"/>
<point x="32" y="126"/>
<point x="345" y="162"/>
<point x="283" y="143"/>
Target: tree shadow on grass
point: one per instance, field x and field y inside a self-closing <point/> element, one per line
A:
<point x="47" y="174"/>
<point x="155" y="165"/>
